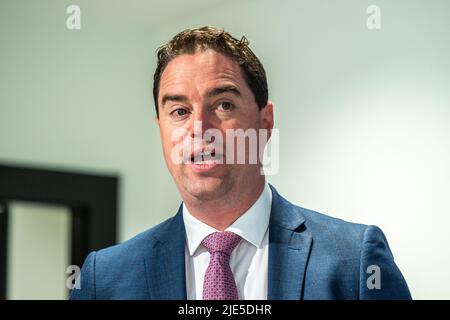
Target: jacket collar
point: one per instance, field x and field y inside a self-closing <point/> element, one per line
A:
<point x="289" y="247"/>
<point x="165" y="261"/>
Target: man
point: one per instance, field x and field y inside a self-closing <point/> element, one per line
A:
<point x="234" y="236"/>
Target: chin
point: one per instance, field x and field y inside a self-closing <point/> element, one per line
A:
<point x="206" y="188"/>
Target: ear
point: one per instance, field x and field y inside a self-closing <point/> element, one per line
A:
<point x="157" y="120"/>
<point x="267" y="117"/>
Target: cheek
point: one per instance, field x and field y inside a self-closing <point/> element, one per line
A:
<point x="244" y="124"/>
<point x="167" y="146"/>
<point x="165" y="140"/>
<point x="173" y="143"/>
<point x="171" y="137"/>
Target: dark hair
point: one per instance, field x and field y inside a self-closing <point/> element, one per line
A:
<point x="190" y="41"/>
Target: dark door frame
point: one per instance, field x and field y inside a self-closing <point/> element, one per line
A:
<point x="92" y="200"/>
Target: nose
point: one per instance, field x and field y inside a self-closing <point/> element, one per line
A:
<point x="201" y="121"/>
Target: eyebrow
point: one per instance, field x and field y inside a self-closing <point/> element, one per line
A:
<point x="211" y="93"/>
<point x="223" y="89"/>
<point x="173" y="97"/>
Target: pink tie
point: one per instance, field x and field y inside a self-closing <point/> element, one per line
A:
<point x="219" y="281"/>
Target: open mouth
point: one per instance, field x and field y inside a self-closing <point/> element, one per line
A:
<point x="204" y="157"/>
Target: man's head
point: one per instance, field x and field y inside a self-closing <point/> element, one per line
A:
<point x="206" y="76"/>
<point x="191" y="41"/>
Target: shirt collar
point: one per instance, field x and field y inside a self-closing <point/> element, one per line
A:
<point x="251" y="226"/>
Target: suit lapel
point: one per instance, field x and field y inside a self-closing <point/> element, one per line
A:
<point x="289" y="247"/>
<point x="165" y="265"/>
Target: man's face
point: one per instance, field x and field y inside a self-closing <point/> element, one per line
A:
<point x="208" y="87"/>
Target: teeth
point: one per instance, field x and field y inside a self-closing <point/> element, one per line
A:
<point x="203" y="157"/>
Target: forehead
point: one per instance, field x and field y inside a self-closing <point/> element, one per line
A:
<point x="200" y="71"/>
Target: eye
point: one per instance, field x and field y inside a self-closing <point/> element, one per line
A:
<point x="179" y="112"/>
<point x="226" y="106"/>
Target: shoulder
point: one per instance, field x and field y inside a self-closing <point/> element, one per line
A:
<point x="322" y="227"/>
<point x="346" y="260"/>
<point x="137" y="246"/>
<point x="118" y="272"/>
<point x="331" y="237"/>
<point x="349" y="234"/>
<point x="326" y="226"/>
<point x="343" y="236"/>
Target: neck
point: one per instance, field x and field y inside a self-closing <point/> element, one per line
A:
<point x="221" y="213"/>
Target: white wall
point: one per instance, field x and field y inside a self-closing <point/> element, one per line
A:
<point x="38" y="251"/>
<point x="363" y="115"/>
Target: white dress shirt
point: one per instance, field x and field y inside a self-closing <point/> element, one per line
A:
<point x="248" y="261"/>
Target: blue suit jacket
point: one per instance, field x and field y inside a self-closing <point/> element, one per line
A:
<point x="311" y="256"/>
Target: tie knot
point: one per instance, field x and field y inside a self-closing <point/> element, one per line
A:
<point x="221" y="242"/>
